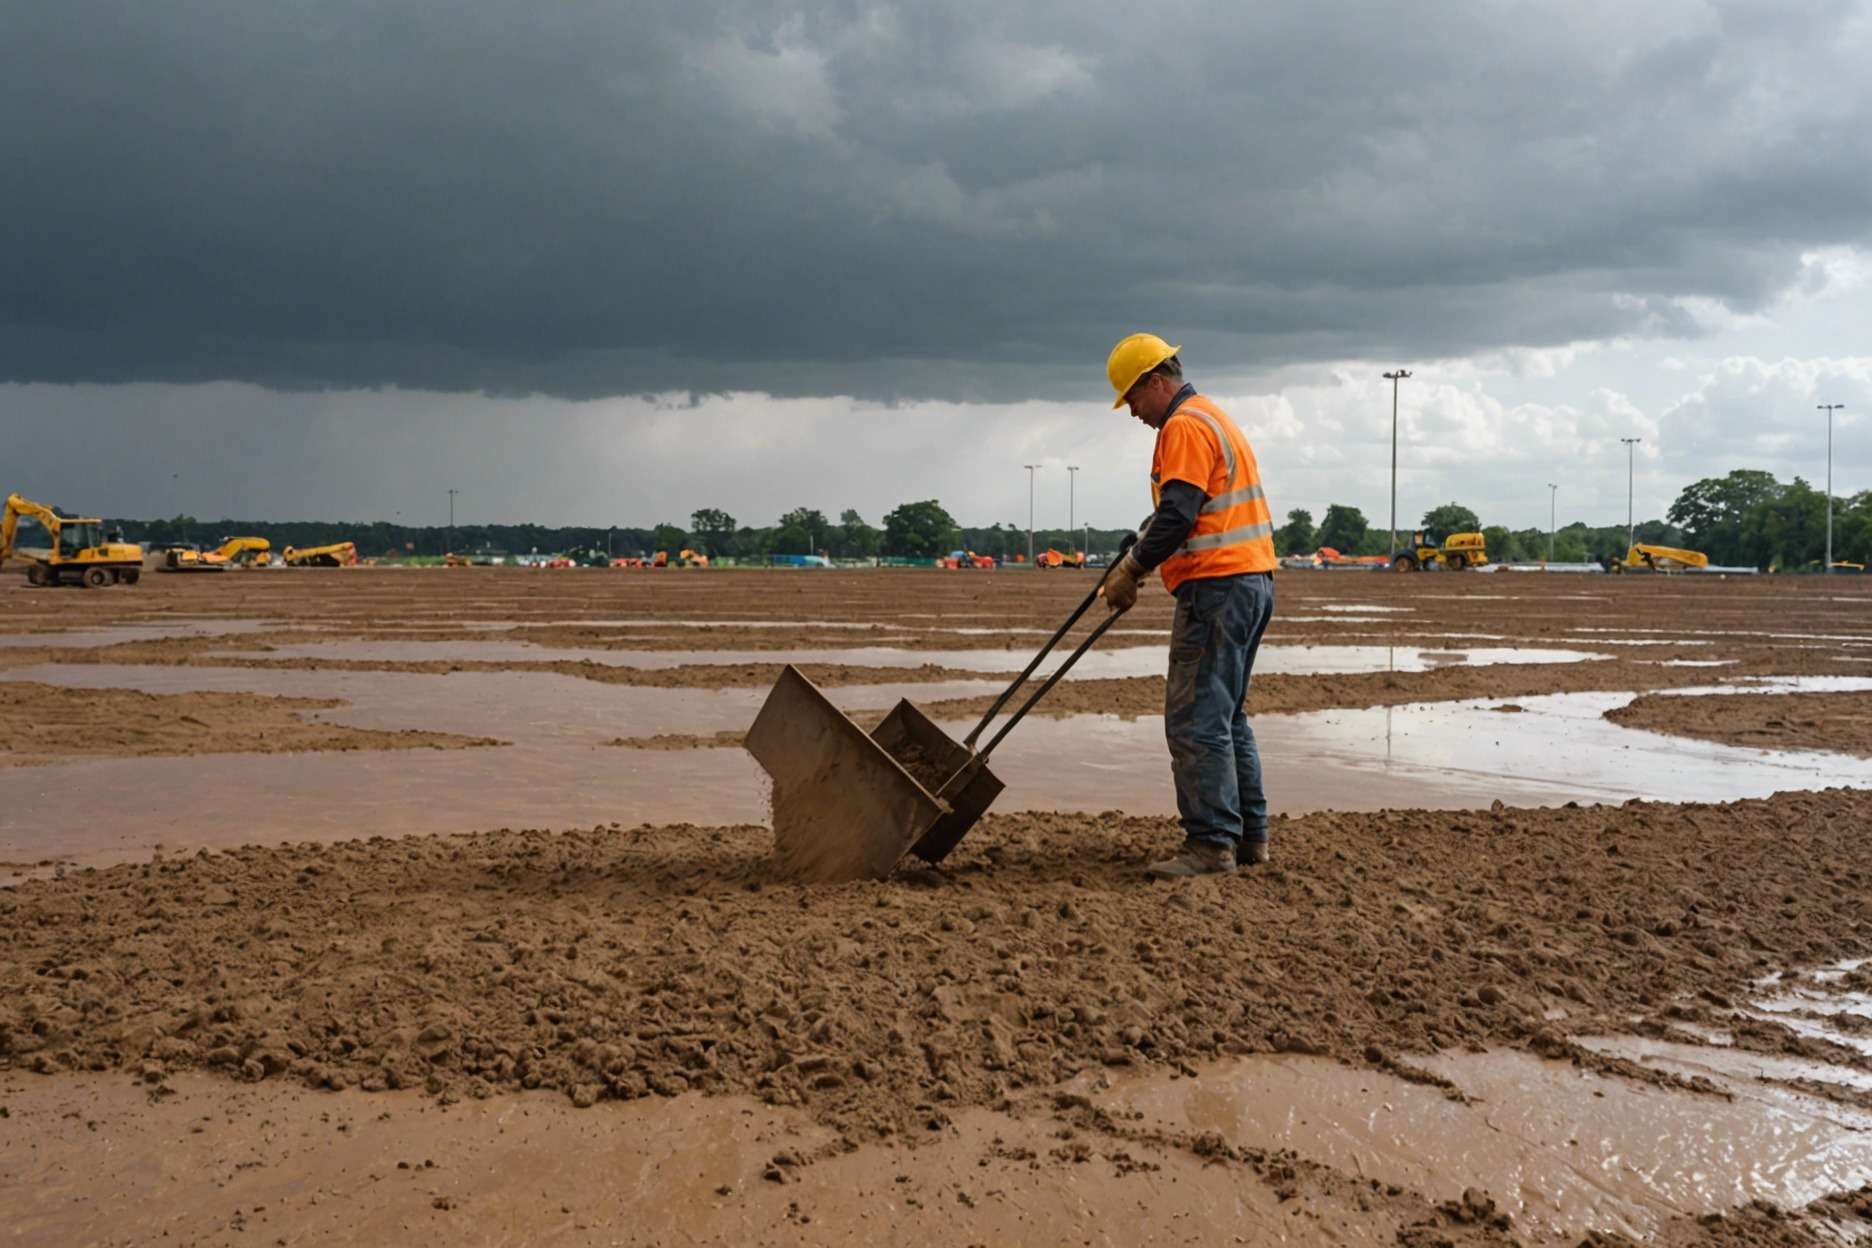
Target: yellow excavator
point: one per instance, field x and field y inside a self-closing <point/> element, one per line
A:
<point x="336" y="555"/>
<point x="1647" y="558"/>
<point x="1458" y="551"/>
<point x="236" y="552"/>
<point x="80" y="553"/>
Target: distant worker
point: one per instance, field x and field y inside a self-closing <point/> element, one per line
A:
<point x="1212" y="537"/>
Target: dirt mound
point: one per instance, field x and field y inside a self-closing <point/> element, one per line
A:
<point x="48" y="723"/>
<point x="618" y="962"/>
<point x="1772" y="721"/>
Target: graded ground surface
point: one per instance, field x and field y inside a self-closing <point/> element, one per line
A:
<point x="908" y="1057"/>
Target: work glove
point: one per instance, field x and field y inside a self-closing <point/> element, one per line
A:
<point x="1121" y="584"/>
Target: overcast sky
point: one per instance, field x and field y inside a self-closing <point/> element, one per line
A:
<point x="602" y="263"/>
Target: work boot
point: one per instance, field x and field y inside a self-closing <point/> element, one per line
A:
<point x="1251" y="853"/>
<point x="1195" y="858"/>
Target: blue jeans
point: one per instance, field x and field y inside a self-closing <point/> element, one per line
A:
<point x="1219" y="622"/>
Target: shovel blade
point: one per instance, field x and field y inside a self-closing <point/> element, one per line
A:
<point x="947" y="768"/>
<point x="843" y="808"/>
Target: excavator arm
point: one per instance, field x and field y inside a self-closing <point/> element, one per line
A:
<point x="10" y="518"/>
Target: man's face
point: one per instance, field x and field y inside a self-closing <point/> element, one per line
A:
<point x="1150" y="398"/>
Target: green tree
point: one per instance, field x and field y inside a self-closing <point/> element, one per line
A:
<point x="667" y="538"/>
<point x="1440" y="522"/>
<point x="920" y="530"/>
<point x="1343" y="529"/>
<point x="802" y="531"/>
<point x="1297" y="536"/>
<point x="856" y="538"/>
<point x="1787" y="531"/>
<point x="1503" y="546"/>
<point x="713" y="529"/>
<point x="1711" y="511"/>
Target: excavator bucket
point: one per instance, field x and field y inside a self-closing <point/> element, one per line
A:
<point x="843" y="807"/>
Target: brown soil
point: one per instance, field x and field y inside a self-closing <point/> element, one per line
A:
<point x="681" y="741"/>
<point x="47" y="723"/>
<point x="196" y="652"/>
<point x="1277" y="694"/>
<point x="625" y="962"/>
<point x="1775" y="721"/>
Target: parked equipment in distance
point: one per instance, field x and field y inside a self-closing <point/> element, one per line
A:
<point x="236" y="552"/>
<point x="336" y="555"/>
<point x="79" y="553"/>
<point x="1458" y="551"/>
<point x="1648" y="558"/>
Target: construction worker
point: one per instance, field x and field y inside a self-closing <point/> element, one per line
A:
<point x="1212" y="539"/>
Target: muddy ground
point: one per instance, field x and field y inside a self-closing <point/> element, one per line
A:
<point x="629" y="969"/>
<point x="1795" y="721"/>
<point x="46" y="723"/>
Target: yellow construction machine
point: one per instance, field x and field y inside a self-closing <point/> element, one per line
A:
<point x="1458" y="551"/>
<point x="336" y="555"/>
<point x="1647" y="558"/>
<point x="80" y="553"/>
<point x="236" y="552"/>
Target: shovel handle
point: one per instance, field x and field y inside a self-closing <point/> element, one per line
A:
<point x="1052" y="680"/>
<point x="1124" y="548"/>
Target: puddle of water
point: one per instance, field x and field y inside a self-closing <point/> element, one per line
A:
<point x="1120" y="661"/>
<point x="1815" y="1029"/>
<point x="1788" y="684"/>
<point x="318" y="1167"/>
<point x="1810" y="1002"/>
<point x="1725" y="1065"/>
<point x="154" y="630"/>
<point x="1561" y="1150"/>
<point x="1639" y="641"/>
<point x="1673" y="633"/>
<point x="1440" y="756"/>
<point x="557" y="772"/>
<point x="1687" y="662"/>
<point x="1362" y="608"/>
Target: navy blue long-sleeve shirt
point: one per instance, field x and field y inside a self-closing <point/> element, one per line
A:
<point x="1178" y="503"/>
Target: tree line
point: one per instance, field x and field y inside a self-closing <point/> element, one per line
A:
<point x="1747" y="518"/>
<point x="913" y="530"/>
<point x="1744" y="519"/>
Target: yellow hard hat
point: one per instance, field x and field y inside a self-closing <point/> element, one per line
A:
<point x="1132" y="358"/>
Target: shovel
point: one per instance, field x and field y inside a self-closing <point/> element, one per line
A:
<point x="847" y="805"/>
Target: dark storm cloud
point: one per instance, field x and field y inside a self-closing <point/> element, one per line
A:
<point x="894" y="200"/>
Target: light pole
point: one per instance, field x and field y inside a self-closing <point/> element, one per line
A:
<point x="1030" y="488"/>
<point x="1829" y="409"/>
<point x="1394" y="378"/>
<point x="1630" y="443"/>
<point x="451" y="539"/>
<point x="1553" y="511"/>
<point x="1072" y="489"/>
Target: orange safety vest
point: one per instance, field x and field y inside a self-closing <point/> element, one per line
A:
<point x="1234" y="531"/>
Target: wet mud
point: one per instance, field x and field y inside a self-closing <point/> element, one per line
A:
<point x="624" y="962"/>
<point x="636" y="1032"/>
<point x="42" y="724"/>
<point x="1805" y="721"/>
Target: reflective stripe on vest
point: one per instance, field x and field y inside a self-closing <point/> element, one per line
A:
<point x="1214" y="541"/>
